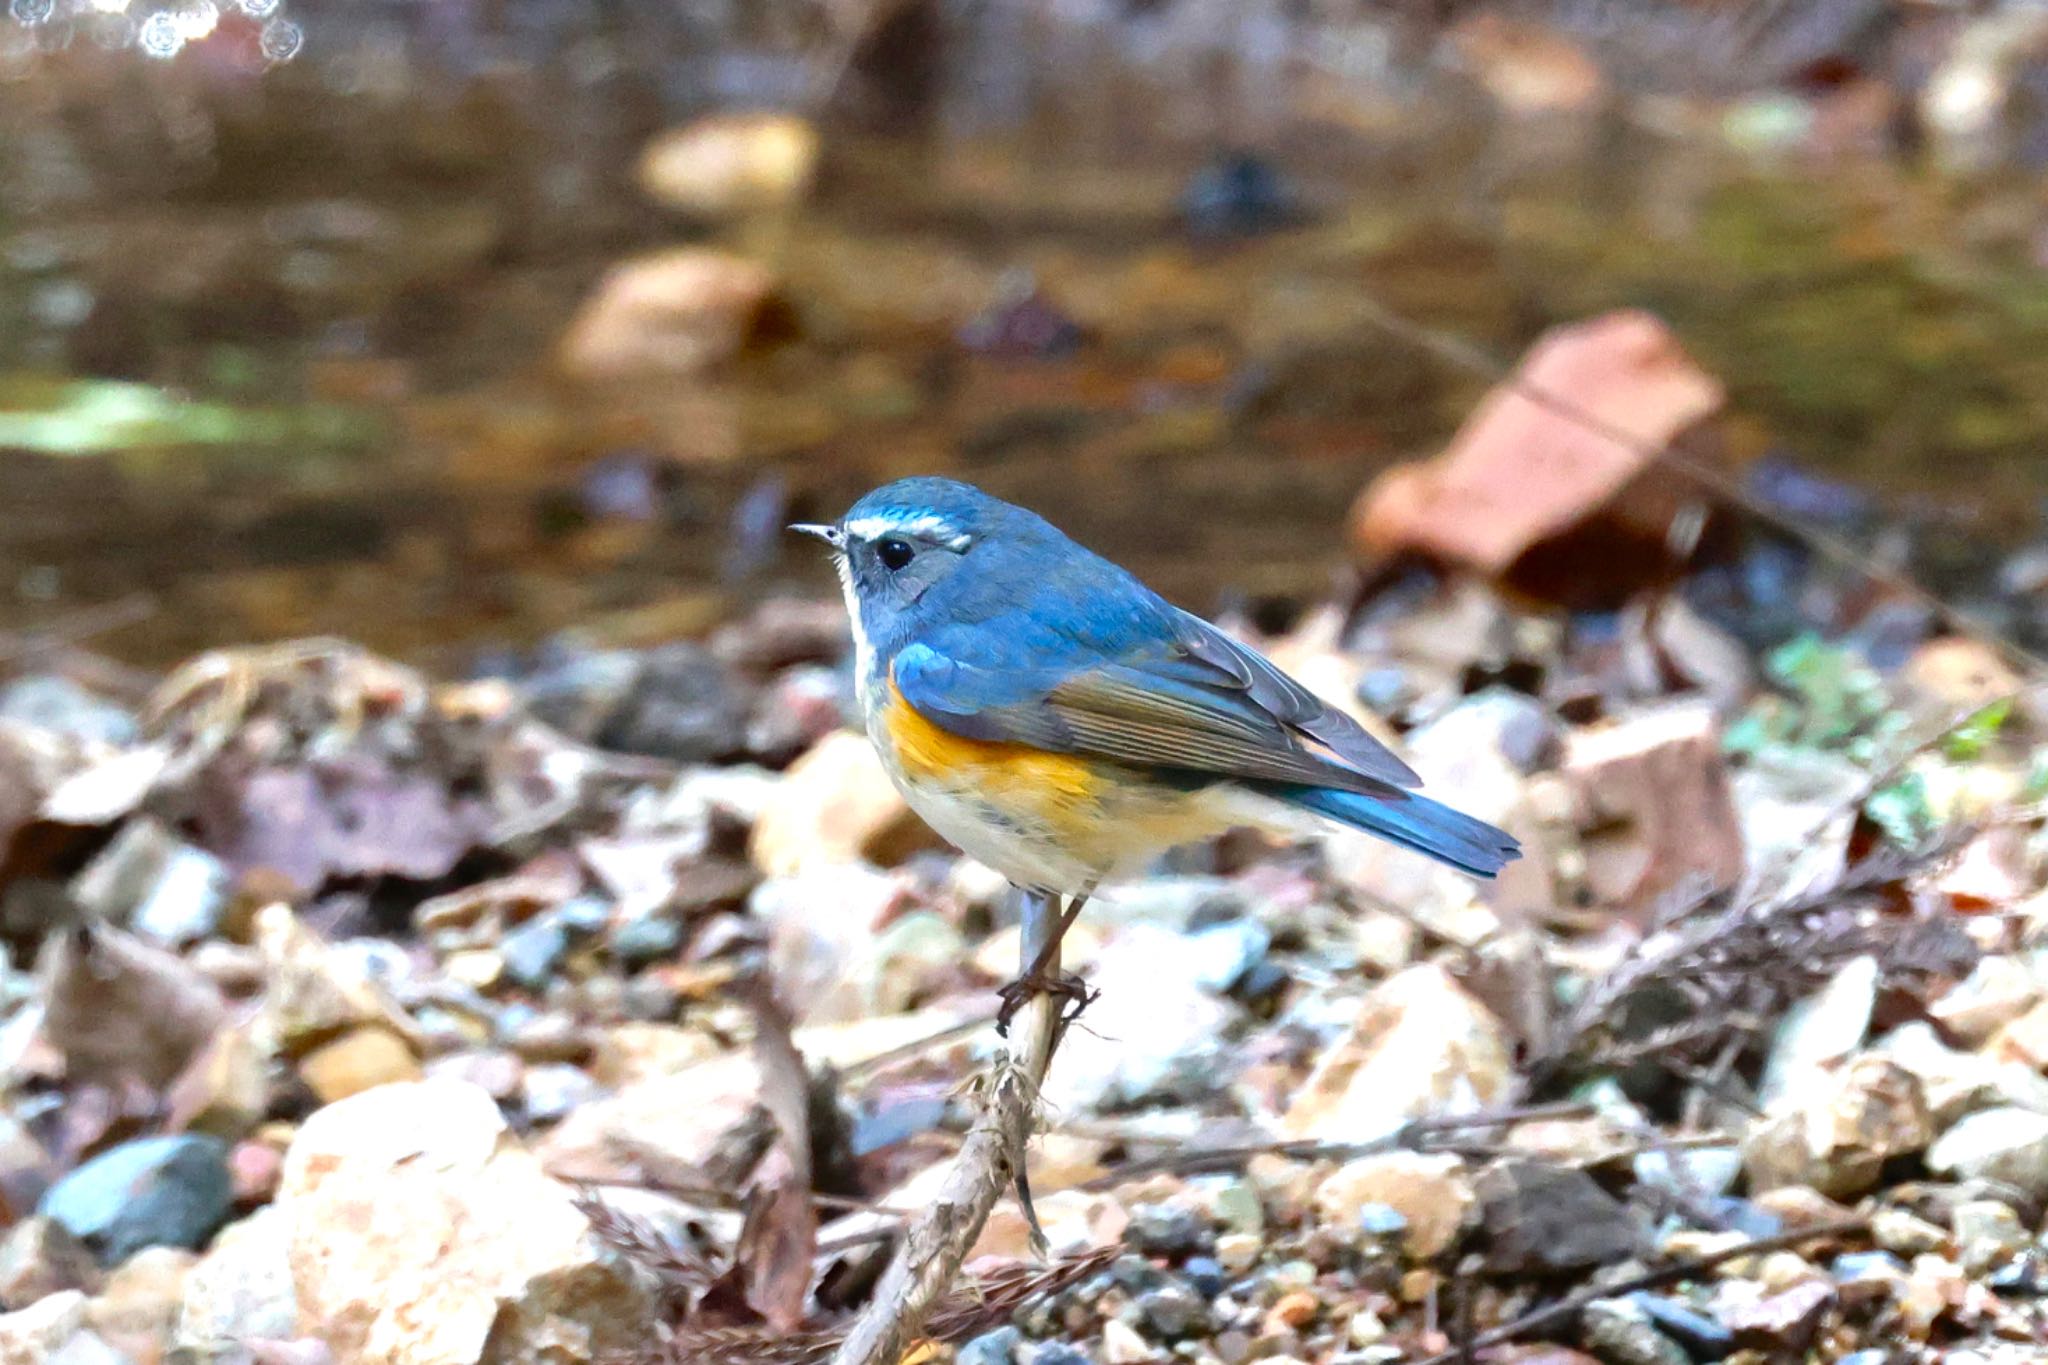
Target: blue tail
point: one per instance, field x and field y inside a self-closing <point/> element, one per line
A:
<point x="1413" y="822"/>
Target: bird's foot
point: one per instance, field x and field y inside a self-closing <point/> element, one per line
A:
<point x="1075" y="994"/>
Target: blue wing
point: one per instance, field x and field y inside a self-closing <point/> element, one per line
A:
<point x="1164" y="690"/>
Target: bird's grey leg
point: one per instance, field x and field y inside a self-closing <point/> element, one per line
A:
<point x="1044" y="926"/>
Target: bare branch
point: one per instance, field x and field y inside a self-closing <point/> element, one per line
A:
<point x="935" y="1245"/>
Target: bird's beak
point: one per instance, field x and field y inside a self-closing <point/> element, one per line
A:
<point x="831" y="535"/>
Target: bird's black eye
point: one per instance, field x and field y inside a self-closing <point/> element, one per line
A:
<point x="894" y="553"/>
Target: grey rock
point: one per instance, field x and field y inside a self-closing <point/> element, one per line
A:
<point x="1550" y="1218"/>
<point x="158" y="1191"/>
<point x="1512" y="724"/>
<point x="579" y="691"/>
<point x="2006" y="1145"/>
<point x="1172" y="1312"/>
<point x="685" y="705"/>
<point x="646" y="938"/>
<point x="1153" y="1034"/>
<point x="1165" y="1229"/>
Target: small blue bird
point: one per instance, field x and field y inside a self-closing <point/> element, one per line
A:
<point x="1064" y="724"/>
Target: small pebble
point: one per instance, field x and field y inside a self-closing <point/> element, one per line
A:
<point x="1988" y="1233"/>
<point x="1290" y="1275"/>
<point x="646" y="939"/>
<point x="1058" y="1353"/>
<point x="551" y="1090"/>
<point x="1121" y="1345"/>
<point x="1172" y="1311"/>
<point x="1904" y="1234"/>
<point x="1702" y="1336"/>
<point x="992" y="1348"/>
<point x="1381" y="1222"/>
<point x="1859" y="1265"/>
<point x="1366" y="1328"/>
<point x="1293" y="1311"/>
<point x="1204" y="1275"/>
<point x="1233" y="1347"/>
<point x="1238" y="1251"/>
<point x="1782" y="1270"/>
<point x="1621" y="1333"/>
<point x="1135" y="1274"/>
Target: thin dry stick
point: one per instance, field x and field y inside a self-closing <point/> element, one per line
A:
<point x="1570" y="1304"/>
<point x="935" y="1245"/>
<point x="1409" y="1135"/>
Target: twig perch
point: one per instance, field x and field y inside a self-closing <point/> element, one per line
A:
<point x="935" y="1245"/>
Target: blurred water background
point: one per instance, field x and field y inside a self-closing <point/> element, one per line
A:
<point x="284" y="284"/>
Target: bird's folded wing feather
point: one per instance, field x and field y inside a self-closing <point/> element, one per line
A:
<point x="1202" y="705"/>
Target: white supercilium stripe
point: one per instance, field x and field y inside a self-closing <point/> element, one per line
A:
<point x="924" y="526"/>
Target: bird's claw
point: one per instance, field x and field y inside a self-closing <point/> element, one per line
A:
<point x="1075" y="994"/>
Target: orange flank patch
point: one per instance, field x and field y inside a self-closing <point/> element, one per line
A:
<point x="929" y="754"/>
<point x="1100" y="815"/>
